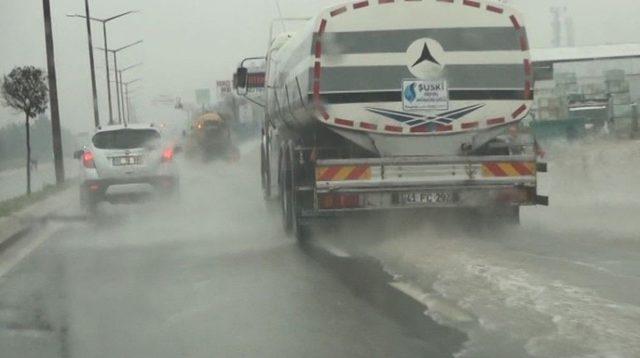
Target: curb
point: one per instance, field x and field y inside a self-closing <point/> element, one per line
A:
<point x="16" y="225"/>
<point x="11" y="229"/>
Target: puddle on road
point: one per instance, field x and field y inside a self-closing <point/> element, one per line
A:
<point x="368" y="280"/>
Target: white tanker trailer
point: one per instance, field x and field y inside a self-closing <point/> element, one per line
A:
<point x="385" y="105"/>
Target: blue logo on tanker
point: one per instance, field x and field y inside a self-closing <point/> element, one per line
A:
<point x="410" y="93"/>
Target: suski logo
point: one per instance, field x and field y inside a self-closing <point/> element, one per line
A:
<point x="410" y="93"/>
<point x="430" y="87"/>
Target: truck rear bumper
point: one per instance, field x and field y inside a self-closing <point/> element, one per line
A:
<point x="365" y="185"/>
<point x="403" y="198"/>
<point x="102" y="185"/>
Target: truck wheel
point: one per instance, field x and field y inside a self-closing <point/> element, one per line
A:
<point x="285" y="193"/>
<point x="299" y="230"/>
<point x="291" y="200"/>
<point x="264" y="169"/>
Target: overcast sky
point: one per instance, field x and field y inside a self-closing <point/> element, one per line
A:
<point x="189" y="44"/>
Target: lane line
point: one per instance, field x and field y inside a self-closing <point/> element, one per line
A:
<point x="14" y="255"/>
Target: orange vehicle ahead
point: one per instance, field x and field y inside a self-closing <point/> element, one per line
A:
<point x="210" y="137"/>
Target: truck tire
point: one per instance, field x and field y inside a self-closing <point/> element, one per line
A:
<point x="285" y="193"/>
<point x="291" y="200"/>
<point x="264" y="168"/>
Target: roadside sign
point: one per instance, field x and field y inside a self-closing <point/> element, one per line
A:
<point x="224" y="88"/>
<point x="203" y="97"/>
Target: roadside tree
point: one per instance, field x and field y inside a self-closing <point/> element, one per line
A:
<point x="25" y="90"/>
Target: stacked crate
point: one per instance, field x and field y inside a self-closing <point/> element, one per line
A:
<point x="621" y="109"/>
<point x="551" y="100"/>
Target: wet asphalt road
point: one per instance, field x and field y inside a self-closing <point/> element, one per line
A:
<point x="212" y="276"/>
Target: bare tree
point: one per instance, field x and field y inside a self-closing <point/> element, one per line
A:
<point x="25" y="90"/>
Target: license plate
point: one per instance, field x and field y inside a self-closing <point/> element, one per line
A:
<point x="124" y="161"/>
<point x="428" y="198"/>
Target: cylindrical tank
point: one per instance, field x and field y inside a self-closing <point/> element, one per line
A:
<point x="404" y="77"/>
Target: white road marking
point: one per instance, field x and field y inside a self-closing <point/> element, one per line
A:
<point x="16" y="253"/>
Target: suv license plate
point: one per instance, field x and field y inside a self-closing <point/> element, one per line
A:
<point x="124" y="161"/>
<point x="428" y="198"/>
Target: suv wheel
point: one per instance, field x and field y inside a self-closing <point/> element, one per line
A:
<point x="89" y="200"/>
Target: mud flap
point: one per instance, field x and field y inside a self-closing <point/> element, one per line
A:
<point x="542" y="200"/>
<point x="541" y="167"/>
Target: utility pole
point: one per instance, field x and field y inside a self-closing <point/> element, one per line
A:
<point x="94" y="88"/>
<point x="53" y="96"/>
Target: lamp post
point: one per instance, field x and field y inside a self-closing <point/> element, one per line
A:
<point x="126" y="90"/>
<point x="106" y="53"/>
<point x="120" y="72"/>
<point x="115" y="64"/>
<point x="94" y="90"/>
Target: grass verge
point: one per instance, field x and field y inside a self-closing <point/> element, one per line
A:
<point x="11" y="206"/>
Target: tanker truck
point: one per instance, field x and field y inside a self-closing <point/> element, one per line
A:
<point x="387" y="105"/>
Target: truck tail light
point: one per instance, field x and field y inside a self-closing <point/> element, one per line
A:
<point x="87" y="160"/>
<point x="167" y="155"/>
<point x="339" y="201"/>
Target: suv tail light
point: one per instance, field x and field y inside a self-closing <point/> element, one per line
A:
<point x="167" y="155"/>
<point x="87" y="160"/>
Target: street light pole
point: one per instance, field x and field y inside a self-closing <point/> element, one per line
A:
<point x="94" y="89"/>
<point x="115" y="65"/>
<point x="106" y="53"/>
<point x="128" y="102"/>
<point x="122" y="93"/>
<point x="126" y="90"/>
<point x="106" y="61"/>
<point x="115" y="60"/>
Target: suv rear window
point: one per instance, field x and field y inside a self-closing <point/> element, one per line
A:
<point x="126" y="139"/>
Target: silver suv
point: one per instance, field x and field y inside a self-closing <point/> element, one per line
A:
<point x="133" y="157"/>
